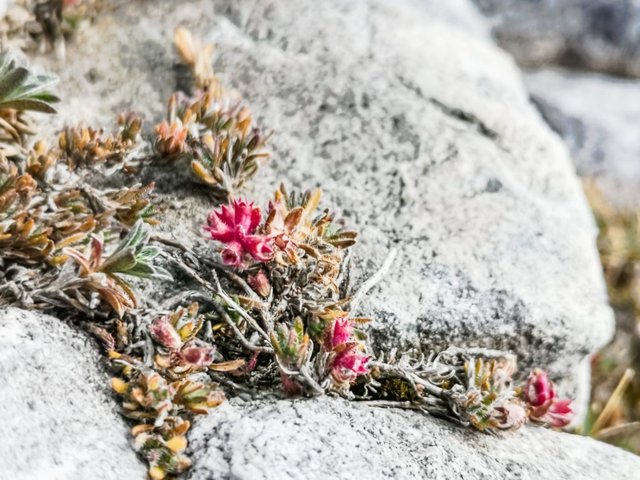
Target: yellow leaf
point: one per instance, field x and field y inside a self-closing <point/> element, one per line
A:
<point x="185" y="331"/>
<point x="163" y="361"/>
<point x="70" y="240"/>
<point x="183" y="42"/>
<point x="119" y="385"/>
<point x="177" y="444"/>
<point x="182" y="428"/>
<point x="138" y="429"/>
<point x="201" y="172"/>
<point x="331" y="314"/>
<point x="156" y="473"/>
<point x="227" y="366"/>
<point x="312" y="203"/>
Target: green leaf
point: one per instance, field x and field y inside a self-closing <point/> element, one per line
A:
<point x="12" y="80"/>
<point x="141" y="270"/>
<point x="28" y="104"/>
<point x="137" y="237"/>
<point x="148" y="253"/>
<point x="120" y="261"/>
<point x="20" y="89"/>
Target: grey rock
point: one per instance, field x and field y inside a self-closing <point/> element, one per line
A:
<point x="597" y="116"/>
<point x="422" y="136"/>
<point x="328" y="438"/>
<point x="600" y="35"/>
<point x="59" y="419"/>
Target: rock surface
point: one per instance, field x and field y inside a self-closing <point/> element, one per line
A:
<point x="599" y="35"/>
<point x="421" y="134"/>
<point x="59" y="419"/>
<point x="325" y="438"/>
<point x="597" y="116"/>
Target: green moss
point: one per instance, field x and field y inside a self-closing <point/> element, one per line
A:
<point x="397" y="389"/>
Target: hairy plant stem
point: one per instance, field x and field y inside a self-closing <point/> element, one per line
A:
<point x="373" y="280"/>
<point x="238" y="309"/>
<point x="239" y="335"/>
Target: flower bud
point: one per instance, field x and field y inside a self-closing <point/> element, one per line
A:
<point x="171" y="138"/>
<point x="340" y="332"/>
<point x="260" y="283"/>
<point x="164" y="333"/>
<point x="197" y="356"/>
<point x="559" y="414"/>
<point x="539" y="391"/>
<point x="508" y="416"/>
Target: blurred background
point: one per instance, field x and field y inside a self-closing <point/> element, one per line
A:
<point x="582" y="68"/>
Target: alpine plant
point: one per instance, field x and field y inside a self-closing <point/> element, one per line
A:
<point x="282" y="287"/>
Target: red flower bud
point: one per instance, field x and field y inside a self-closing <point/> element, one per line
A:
<point x="540" y="393"/>
<point x="163" y="332"/>
<point x="539" y="390"/>
<point x="339" y="333"/>
<point x="559" y="414"/>
<point x="197" y="356"/>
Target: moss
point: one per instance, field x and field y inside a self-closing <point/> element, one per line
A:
<point x="397" y="389"/>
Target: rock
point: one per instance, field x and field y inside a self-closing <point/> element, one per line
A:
<point x="599" y="35"/>
<point x="597" y="116"/>
<point x="422" y="136"/>
<point x="328" y="438"/>
<point x="59" y="419"/>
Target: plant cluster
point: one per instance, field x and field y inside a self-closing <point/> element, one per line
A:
<point x="212" y="130"/>
<point x="285" y="287"/>
<point x="273" y="297"/>
<point x="75" y="248"/>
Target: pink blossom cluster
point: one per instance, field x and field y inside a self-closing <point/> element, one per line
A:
<point x="166" y="335"/>
<point x="544" y="407"/>
<point x="349" y="361"/>
<point x="235" y="226"/>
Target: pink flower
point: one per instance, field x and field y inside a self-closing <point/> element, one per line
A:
<point x="539" y="390"/>
<point x="350" y="362"/>
<point x="163" y="332"/>
<point x="235" y="226"/>
<point x="339" y="333"/>
<point x="559" y="414"/>
<point x="540" y="393"/>
<point x="197" y="356"/>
